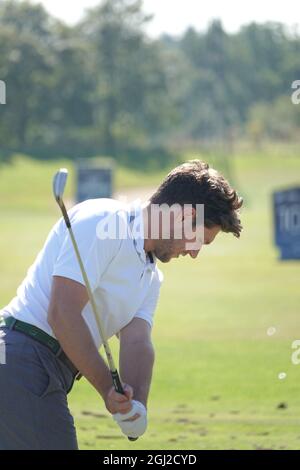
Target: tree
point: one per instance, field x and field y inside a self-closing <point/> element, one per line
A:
<point x="130" y="99"/>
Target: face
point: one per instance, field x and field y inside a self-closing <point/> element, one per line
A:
<point x="165" y="249"/>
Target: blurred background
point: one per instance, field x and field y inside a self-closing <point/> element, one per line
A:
<point x="149" y="85"/>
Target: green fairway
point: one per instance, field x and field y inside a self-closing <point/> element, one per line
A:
<point x="215" y="383"/>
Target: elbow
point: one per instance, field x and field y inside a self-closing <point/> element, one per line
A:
<point x="141" y="349"/>
<point x="146" y="352"/>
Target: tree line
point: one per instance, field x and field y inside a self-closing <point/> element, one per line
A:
<point x="104" y="87"/>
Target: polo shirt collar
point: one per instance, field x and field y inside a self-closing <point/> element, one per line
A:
<point x="136" y="226"/>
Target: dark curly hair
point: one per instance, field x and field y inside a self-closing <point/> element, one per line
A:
<point x="194" y="182"/>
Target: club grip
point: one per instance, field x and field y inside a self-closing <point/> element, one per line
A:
<point x="117" y="382"/>
<point x="119" y="388"/>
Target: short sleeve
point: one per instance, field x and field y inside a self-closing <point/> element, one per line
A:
<point x="147" y="310"/>
<point x="96" y="253"/>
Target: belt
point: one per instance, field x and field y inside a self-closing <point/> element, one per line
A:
<point x="43" y="338"/>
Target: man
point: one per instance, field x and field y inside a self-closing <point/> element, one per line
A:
<point x="49" y="332"/>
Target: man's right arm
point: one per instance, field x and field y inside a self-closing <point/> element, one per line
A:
<point x="68" y="298"/>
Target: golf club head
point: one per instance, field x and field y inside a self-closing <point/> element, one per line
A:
<point x="59" y="183"/>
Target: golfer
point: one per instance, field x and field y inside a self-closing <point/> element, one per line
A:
<point x="49" y="336"/>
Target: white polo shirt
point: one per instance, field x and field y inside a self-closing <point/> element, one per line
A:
<point x="124" y="280"/>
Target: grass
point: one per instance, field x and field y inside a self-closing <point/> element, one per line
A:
<point x="215" y="384"/>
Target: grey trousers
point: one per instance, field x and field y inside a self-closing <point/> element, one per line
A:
<point x="34" y="413"/>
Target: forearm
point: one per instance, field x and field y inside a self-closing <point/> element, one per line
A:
<point x="75" y="339"/>
<point x="136" y="366"/>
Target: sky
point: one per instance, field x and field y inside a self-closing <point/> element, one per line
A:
<point x="174" y="16"/>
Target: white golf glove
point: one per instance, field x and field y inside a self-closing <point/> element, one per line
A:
<point x="135" y="428"/>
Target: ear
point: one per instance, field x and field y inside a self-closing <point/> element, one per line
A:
<point x="189" y="212"/>
<point x="178" y="212"/>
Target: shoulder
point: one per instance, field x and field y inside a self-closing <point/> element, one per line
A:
<point x="97" y="209"/>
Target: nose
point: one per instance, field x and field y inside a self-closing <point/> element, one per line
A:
<point x="194" y="253"/>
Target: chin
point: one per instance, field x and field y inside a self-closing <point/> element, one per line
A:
<point x="163" y="258"/>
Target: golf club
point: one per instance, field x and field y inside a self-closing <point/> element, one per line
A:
<point x="59" y="183"/>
